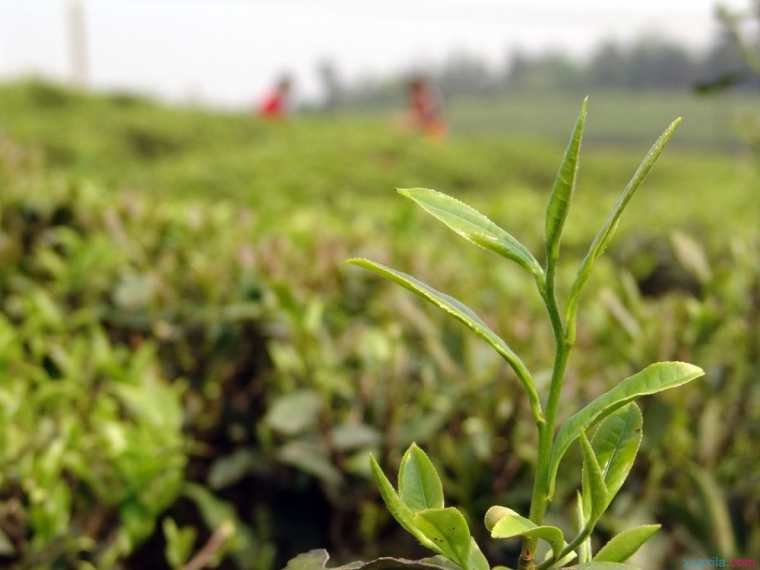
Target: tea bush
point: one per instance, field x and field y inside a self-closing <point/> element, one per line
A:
<point x="185" y="303"/>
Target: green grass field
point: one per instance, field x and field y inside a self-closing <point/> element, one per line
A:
<point x="618" y="117"/>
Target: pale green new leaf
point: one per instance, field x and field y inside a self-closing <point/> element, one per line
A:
<point x="403" y="514"/>
<point x="624" y="545"/>
<point x="448" y="530"/>
<point x="616" y="443"/>
<point x="604" y="235"/>
<point x="463" y="314"/>
<point x="419" y="486"/>
<point x="593" y="482"/>
<point x="472" y="226"/>
<point x="506" y="523"/>
<point x="651" y="380"/>
<point x="564" y="186"/>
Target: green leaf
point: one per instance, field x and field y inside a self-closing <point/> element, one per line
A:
<point x="624" y="545"/>
<point x="584" y="548"/>
<point x="653" y="379"/>
<point x="715" y="513"/>
<point x="506" y="523"/>
<point x="448" y="530"/>
<point x="464" y="315"/>
<point x="398" y="509"/>
<point x="476" y="560"/>
<point x="564" y="186"/>
<point x="602" y="566"/>
<point x="604" y="235"/>
<point x="472" y="226"/>
<point x="317" y="560"/>
<point x="311" y="457"/>
<point x="593" y="482"/>
<point x="418" y="483"/>
<point x="616" y="443"/>
<point x="179" y="542"/>
<point x="294" y="412"/>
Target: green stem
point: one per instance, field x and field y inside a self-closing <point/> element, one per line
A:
<point x="540" y="496"/>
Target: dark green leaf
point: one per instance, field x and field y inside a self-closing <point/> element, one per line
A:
<point x="472" y="226"/>
<point x="418" y="483"/>
<point x="654" y="378"/>
<point x="624" y="545"/>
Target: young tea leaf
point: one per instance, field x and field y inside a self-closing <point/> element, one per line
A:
<point x="398" y="509"/>
<point x="593" y="482"/>
<point x="463" y="314"/>
<point x="448" y="530"/>
<point x="472" y="226"/>
<point x="624" y="545"/>
<point x="418" y="483"/>
<point x="506" y="523"/>
<point x="616" y="443"/>
<point x="604" y="235"/>
<point x="653" y="379"/>
<point x="564" y="186"/>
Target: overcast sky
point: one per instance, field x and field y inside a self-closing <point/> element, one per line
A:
<point x="227" y="51"/>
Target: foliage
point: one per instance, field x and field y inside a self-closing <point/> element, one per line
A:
<point x="241" y="309"/>
<point x="419" y="504"/>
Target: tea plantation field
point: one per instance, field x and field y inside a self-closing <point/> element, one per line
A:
<point x="185" y="356"/>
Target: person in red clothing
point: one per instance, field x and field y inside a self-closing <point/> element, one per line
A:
<point x="425" y="113"/>
<point x="275" y="104"/>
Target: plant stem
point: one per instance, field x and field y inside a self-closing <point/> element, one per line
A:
<point x="540" y="497"/>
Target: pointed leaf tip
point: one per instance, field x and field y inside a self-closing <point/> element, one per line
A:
<point x="464" y="315"/>
<point x="564" y="186"/>
<point x="418" y="483"/>
<point x="654" y="378"/>
<point x="624" y="545"/>
<point x="473" y="226"/>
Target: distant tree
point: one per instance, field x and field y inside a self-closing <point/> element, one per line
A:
<point x="607" y="66"/>
<point x="658" y="63"/>
<point x="464" y="73"/>
<point x="733" y="60"/>
<point x="550" y="70"/>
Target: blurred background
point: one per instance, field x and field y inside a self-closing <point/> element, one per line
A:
<point x="190" y="375"/>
